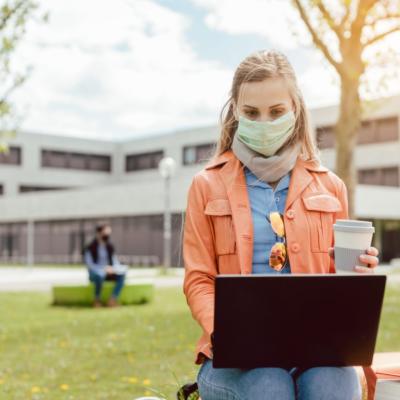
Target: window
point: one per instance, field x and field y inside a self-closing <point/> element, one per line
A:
<point x="9" y="244"/>
<point x="325" y="137"/>
<point x="77" y="161"/>
<point x="54" y="159"/>
<point x="74" y="160"/>
<point x="189" y="155"/>
<point x="368" y="176"/>
<point x="379" y="130"/>
<point x="371" y="131"/>
<point x="27" y="188"/>
<point x="137" y="162"/>
<point x="195" y="154"/>
<point x="367" y="132"/>
<point x="99" y="163"/>
<point x="12" y="157"/>
<point x="387" y="130"/>
<point x="387" y="176"/>
<point x="390" y="176"/>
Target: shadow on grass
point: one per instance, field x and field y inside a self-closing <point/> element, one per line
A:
<point x="90" y="306"/>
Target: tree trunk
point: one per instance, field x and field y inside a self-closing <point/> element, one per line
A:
<point x="346" y="131"/>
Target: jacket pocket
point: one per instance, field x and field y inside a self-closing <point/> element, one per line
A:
<point x="321" y="209"/>
<point x="221" y="214"/>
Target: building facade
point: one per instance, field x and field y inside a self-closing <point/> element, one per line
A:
<point x="58" y="188"/>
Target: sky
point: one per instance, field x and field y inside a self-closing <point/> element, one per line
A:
<point x="135" y="68"/>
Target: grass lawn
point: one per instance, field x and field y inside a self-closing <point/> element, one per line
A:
<point x="82" y="353"/>
<point x="396" y="270"/>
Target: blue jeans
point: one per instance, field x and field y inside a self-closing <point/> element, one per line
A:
<point x="319" y="383"/>
<point x="98" y="280"/>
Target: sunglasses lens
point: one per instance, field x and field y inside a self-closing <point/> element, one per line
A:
<point x="277" y="223"/>
<point x="277" y="257"/>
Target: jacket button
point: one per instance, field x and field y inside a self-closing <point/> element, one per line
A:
<point x="290" y="213"/>
<point x="295" y="247"/>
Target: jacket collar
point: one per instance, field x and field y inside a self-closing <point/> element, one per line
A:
<point x="220" y="159"/>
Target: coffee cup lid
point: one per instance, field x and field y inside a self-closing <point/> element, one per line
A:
<point x="352" y="225"/>
<point x="353" y="222"/>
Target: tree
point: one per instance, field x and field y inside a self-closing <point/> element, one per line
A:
<point x="343" y="32"/>
<point x="14" y="15"/>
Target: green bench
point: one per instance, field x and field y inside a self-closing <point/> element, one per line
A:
<point x="84" y="294"/>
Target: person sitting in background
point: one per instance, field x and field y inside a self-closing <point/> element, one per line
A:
<point x="102" y="263"/>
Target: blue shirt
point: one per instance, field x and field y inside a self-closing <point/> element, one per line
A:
<point x="263" y="200"/>
<point x="102" y="260"/>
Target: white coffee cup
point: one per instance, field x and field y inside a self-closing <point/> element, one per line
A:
<point x="352" y="238"/>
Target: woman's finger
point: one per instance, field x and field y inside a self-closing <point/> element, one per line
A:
<point x="368" y="259"/>
<point x="364" y="270"/>
<point x="373" y="251"/>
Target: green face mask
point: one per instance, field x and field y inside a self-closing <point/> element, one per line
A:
<point x="266" y="137"/>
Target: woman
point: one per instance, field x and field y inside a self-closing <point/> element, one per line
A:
<point x="263" y="204"/>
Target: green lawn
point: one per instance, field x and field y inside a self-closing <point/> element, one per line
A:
<point x="396" y="270"/>
<point x="82" y="353"/>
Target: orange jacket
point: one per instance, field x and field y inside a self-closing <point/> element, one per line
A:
<point x="218" y="229"/>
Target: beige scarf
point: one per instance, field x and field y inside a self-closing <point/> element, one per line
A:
<point x="268" y="169"/>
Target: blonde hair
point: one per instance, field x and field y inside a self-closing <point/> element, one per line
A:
<point x="257" y="67"/>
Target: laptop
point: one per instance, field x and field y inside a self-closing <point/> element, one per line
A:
<point x="296" y="320"/>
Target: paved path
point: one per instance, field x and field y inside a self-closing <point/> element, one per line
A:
<point x="42" y="279"/>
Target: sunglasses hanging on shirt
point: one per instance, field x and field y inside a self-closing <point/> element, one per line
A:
<point x="278" y="254"/>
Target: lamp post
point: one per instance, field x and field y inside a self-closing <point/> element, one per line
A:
<point x="166" y="167"/>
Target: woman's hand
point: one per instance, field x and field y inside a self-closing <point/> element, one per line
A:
<point x="371" y="259"/>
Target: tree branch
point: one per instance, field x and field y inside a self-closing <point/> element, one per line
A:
<point x="329" y="20"/>
<point x="7" y="92"/>
<point x="383" y="18"/>
<point x="364" y="6"/>
<point x="317" y="40"/>
<point x="13" y="11"/>
<point x="380" y="36"/>
<point x="345" y="18"/>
